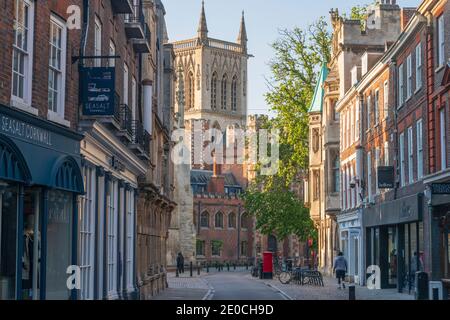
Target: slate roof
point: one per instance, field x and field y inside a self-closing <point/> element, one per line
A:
<point x="204" y="176"/>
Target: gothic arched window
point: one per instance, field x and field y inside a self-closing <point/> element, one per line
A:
<point x="214" y="91"/>
<point x="234" y="94"/>
<point x="219" y="220"/>
<point x="232" y="220"/>
<point x="204" y="220"/>
<point x="224" y="92"/>
<point x="190" y="91"/>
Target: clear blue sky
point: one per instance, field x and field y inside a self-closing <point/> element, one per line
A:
<point x="263" y="17"/>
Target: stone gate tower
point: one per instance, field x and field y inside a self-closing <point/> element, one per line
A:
<point x="212" y="87"/>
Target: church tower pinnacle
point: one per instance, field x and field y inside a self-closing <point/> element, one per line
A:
<point x="202" y="25"/>
<point x="242" y="38"/>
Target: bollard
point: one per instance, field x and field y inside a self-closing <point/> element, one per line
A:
<point x="228" y="267"/>
<point x="190" y="268"/>
<point x="177" y="273"/>
<point x="234" y="266"/>
<point x="246" y="266"/>
<point x="351" y="292"/>
<point x="198" y="269"/>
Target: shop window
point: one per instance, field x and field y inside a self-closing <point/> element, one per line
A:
<point x="87" y="234"/>
<point x="8" y="235"/>
<point x="59" y="240"/>
<point x="130" y="240"/>
<point x="112" y="249"/>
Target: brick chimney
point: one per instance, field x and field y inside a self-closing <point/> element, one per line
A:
<point x="405" y="16"/>
<point x="217" y="183"/>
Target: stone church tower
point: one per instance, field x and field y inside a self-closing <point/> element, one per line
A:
<point x="214" y="73"/>
<point x="212" y="87"/>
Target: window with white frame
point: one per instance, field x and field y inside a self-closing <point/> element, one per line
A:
<point x="410" y="156"/>
<point x="112" y="53"/>
<point x="353" y="191"/>
<point x="409" y="81"/>
<point x="377" y="164"/>
<point x="401" y="86"/>
<point x="87" y="234"/>
<point x="419" y="66"/>
<point x="402" y="159"/>
<point x="130" y="239"/>
<point x="386" y="99"/>
<point x="57" y="66"/>
<point x="376" y="105"/>
<point x="22" y="64"/>
<point x="133" y="99"/>
<point x="369" y="176"/>
<point x="357" y="125"/>
<point x="386" y="153"/>
<point x="126" y="78"/>
<point x="369" y="105"/>
<point x="443" y="139"/>
<point x="419" y="139"/>
<point x="97" y="41"/>
<point x="441" y="40"/>
<point x="352" y="124"/>
<point x="112" y="249"/>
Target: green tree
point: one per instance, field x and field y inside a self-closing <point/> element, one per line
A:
<point x="279" y="212"/>
<point x="299" y="53"/>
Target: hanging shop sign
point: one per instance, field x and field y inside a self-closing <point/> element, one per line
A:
<point x="386" y="177"/>
<point x="98" y="91"/>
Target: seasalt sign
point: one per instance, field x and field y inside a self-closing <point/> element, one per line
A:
<point x="26" y="131"/>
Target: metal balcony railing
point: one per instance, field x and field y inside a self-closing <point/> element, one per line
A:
<point x="141" y="137"/>
<point x="126" y="119"/>
<point x="138" y="14"/>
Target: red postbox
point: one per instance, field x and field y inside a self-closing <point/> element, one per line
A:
<point x="268" y="265"/>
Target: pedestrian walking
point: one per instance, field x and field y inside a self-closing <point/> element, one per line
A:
<point x="180" y="263"/>
<point x="340" y="268"/>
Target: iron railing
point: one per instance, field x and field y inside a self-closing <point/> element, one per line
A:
<point x="126" y="119"/>
<point x="137" y="16"/>
<point x="141" y="137"/>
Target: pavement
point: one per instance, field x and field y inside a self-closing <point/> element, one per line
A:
<point x="330" y="291"/>
<point x="242" y="286"/>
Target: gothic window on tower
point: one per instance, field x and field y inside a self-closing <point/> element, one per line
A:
<point x="224" y="92"/>
<point x="234" y="94"/>
<point x="214" y="91"/>
<point x="190" y="91"/>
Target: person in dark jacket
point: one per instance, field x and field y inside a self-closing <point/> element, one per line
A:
<point x="180" y="263"/>
<point x="340" y="268"/>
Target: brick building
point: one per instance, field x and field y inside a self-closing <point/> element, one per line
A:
<point x="224" y="232"/>
<point x="40" y="162"/>
<point x="357" y="50"/>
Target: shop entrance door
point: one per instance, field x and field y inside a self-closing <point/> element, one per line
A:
<point x="31" y="233"/>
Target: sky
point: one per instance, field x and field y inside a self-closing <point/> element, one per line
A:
<point x="264" y="19"/>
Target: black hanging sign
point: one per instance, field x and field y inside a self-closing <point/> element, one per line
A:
<point x="98" y="90"/>
<point x="386" y="177"/>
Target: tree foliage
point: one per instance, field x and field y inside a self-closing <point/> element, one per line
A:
<point x="279" y="212"/>
<point x="299" y="53"/>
